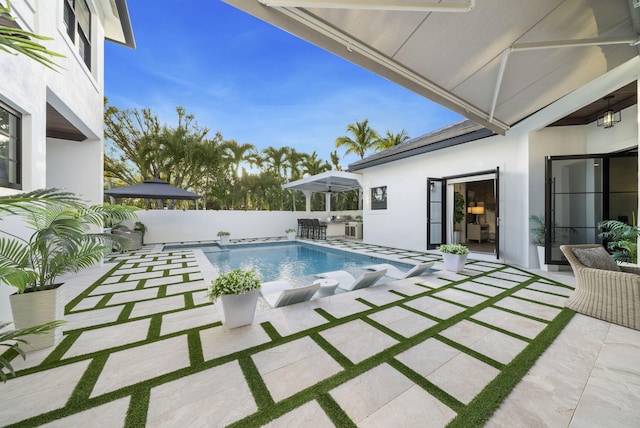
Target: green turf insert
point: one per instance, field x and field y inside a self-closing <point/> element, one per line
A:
<point x="258" y="388"/>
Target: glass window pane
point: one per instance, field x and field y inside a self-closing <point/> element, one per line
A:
<point x="84" y="18"/>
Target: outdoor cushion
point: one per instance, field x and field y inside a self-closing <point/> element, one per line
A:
<point x="596" y="258"/>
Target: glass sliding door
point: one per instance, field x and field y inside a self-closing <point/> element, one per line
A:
<point x="435" y="213"/>
<point x="583" y="190"/>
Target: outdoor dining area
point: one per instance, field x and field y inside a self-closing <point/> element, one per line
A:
<point x="311" y="228"/>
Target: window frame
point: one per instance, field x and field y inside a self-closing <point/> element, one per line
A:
<point x="18" y="149"/>
<point x="80" y="38"/>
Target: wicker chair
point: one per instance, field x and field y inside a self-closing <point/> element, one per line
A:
<point x="608" y="295"/>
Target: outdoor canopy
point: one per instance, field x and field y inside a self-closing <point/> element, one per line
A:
<point x="152" y="189"/>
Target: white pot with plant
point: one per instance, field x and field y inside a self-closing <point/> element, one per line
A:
<point x="224" y="237"/>
<point x="454" y="256"/>
<point x="238" y="293"/>
<point x="291" y="234"/>
<point x="537" y="234"/>
<point x="59" y="244"/>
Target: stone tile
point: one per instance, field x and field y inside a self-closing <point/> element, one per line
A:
<point x="187" y="319"/>
<point x="133" y="365"/>
<point x="155" y="282"/>
<point x="435" y="282"/>
<point x="112" y="414"/>
<point x="366" y="394"/>
<point x="184" y="287"/>
<point x="156" y="306"/>
<point x="133" y="296"/>
<point x="462" y="297"/>
<point x="220" y="341"/>
<point x="556" y="289"/>
<point x="114" y="288"/>
<point x="200" y="297"/>
<point x="453" y="276"/>
<point x="109" y="337"/>
<point x="112" y="279"/>
<point x="342" y="305"/>
<point x="87" y="303"/>
<point x="177" y="264"/>
<point x="428" y="356"/>
<point x="538" y="296"/>
<point x="402" y="321"/>
<point x="131" y="270"/>
<point x="556" y="381"/>
<point x="463" y="377"/>
<point x="145" y="275"/>
<point x="479" y="267"/>
<point x="309" y="414"/>
<point x="289" y="368"/>
<point x="612" y="392"/>
<point x="215" y="397"/>
<point x="528" y="308"/>
<point x="92" y="318"/>
<point x="152" y="263"/>
<point x="414" y="407"/>
<point x="498" y="346"/>
<point x="412" y="289"/>
<point x="292" y="319"/>
<point x="435" y="307"/>
<point x="518" y="277"/>
<point x="380" y="295"/>
<point x="517" y="324"/>
<point x="41" y="392"/>
<point x="358" y="340"/>
<point x="184" y="270"/>
<point x="498" y="282"/>
<point x="486" y="290"/>
<point x="195" y="276"/>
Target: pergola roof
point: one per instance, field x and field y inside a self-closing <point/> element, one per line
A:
<point x="495" y="62"/>
<point x="152" y="189"/>
<point x="327" y="182"/>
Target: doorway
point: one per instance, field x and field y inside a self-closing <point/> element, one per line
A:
<point x="464" y="209"/>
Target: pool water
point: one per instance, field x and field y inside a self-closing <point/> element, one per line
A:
<point x="296" y="263"/>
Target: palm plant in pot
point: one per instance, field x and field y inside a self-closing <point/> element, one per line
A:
<point x="622" y="239"/>
<point x="537" y="234"/>
<point x="454" y="256"/>
<point x="238" y="293"/>
<point x="56" y="243"/>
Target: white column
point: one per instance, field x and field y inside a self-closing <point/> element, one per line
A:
<point x="307" y="196"/>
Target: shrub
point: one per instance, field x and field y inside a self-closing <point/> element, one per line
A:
<point x="457" y="249"/>
<point x="238" y="281"/>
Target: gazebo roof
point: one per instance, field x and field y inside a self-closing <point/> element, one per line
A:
<point x="152" y="189"/>
<point x="327" y="182"/>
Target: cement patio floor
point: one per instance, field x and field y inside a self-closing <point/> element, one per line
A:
<point x="146" y="325"/>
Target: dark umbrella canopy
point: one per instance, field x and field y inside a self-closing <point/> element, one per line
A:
<point x="152" y="189"/>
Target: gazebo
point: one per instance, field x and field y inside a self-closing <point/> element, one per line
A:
<point x="327" y="182"/>
<point x="153" y="189"/>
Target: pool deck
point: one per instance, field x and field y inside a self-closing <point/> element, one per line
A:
<point x="144" y="328"/>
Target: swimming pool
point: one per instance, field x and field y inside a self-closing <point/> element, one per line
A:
<point x="293" y="262"/>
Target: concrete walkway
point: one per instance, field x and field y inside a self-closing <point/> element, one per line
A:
<point x="144" y="340"/>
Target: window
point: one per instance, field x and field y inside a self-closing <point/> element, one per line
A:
<point x="77" y="19"/>
<point x="379" y="198"/>
<point x="10" y="175"/>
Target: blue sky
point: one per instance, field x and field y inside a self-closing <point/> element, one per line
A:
<point x="253" y="82"/>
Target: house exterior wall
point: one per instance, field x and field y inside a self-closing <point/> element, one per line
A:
<point x="520" y="154"/>
<point x="74" y="90"/>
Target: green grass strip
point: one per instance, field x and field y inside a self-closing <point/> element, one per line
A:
<point x="69" y="306"/>
<point x="196" y="357"/>
<point x="480" y="409"/>
<point x="334" y="411"/>
<point x="271" y="331"/>
<point x="87" y="382"/>
<point x="331" y="350"/>
<point x="126" y="312"/>
<point x="138" y="408"/>
<point x="258" y="388"/>
<point x="154" y="327"/>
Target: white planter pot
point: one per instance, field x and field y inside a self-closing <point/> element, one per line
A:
<point x="291" y="236"/>
<point x="239" y="309"/>
<point x="541" y="260"/>
<point x="224" y="240"/>
<point x="456" y="237"/>
<point x="36" y="308"/>
<point x="454" y="262"/>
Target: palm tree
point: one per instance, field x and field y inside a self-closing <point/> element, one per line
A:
<point x="364" y="138"/>
<point x="335" y="160"/>
<point x="391" y="140"/>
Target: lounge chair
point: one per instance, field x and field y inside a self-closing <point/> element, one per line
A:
<point x="396" y="273"/>
<point x="347" y="282"/>
<point x="611" y="295"/>
<point x="281" y="293"/>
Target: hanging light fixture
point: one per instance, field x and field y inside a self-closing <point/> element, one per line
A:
<point x="609" y="117"/>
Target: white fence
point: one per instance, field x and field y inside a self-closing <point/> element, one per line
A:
<point x="191" y="226"/>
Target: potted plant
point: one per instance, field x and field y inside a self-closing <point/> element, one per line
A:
<point x="114" y="215"/>
<point x="224" y="237"/>
<point x="454" y="256"/>
<point x="142" y="228"/>
<point x="621" y="238"/>
<point x="59" y="244"/>
<point x="291" y="234"/>
<point x="537" y="233"/>
<point x="458" y="215"/>
<point x="238" y="293"/>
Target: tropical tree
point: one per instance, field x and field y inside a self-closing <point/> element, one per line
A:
<point x="390" y="140"/>
<point x="335" y="160"/>
<point x="13" y="39"/>
<point x="362" y="139"/>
